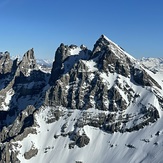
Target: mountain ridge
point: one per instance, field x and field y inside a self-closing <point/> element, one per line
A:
<point x="88" y="102"/>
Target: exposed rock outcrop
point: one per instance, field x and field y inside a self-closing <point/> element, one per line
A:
<point x="28" y="63"/>
<point x="31" y="153"/>
<point x="7" y="154"/>
<point x="23" y="121"/>
<point x="6" y="63"/>
<point x="61" y="54"/>
<point x="79" y="140"/>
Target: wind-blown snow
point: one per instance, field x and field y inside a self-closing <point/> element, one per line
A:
<point x="76" y="54"/>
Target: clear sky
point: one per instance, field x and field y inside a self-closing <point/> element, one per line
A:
<point x="135" y="25"/>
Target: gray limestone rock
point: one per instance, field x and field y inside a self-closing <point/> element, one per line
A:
<point x="142" y="78"/>
<point x="31" y="153"/>
<point x="28" y="62"/>
<point x="7" y="154"/>
<point x="80" y="140"/>
<point x="61" y="54"/>
<point x="23" y="121"/>
<point x="5" y="63"/>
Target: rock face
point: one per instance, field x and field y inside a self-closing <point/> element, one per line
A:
<point x="97" y="81"/>
<point x="7" y="69"/>
<point x="7" y="65"/>
<point x="28" y="62"/>
<point x="79" y="140"/>
<point x="23" y="121"/>
<point x="65" y="58"/>
<point x="7" y="154"/>
<point x="31" y="153"/>
<point x="21" y="85"/>
<point x="105" y="88"/>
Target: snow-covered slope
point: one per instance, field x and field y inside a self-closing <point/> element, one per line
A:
<point x="53" y="145"/>
<point x="97" y="106"/>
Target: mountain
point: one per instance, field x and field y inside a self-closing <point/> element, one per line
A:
<point x="45" y="65"/>
<point x="101" y="103"/>
<point x="154" y="64"/>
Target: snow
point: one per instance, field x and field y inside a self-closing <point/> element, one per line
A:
<point x="109" y="79"/>
<point x="75" y="51"/>
<point x="5" y="105"/>
<point x="45" y="62"/>
<point x="45" y="65"/>
<point x="91" y="65"/>
<point x="103" y="147"/>
<point x="75" y="56"/>
<point x="154" y="64"/>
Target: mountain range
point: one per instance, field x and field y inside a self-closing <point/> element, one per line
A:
<point x="92" y="106"/>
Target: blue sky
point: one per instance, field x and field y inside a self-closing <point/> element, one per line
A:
<point x="135" y="25"/>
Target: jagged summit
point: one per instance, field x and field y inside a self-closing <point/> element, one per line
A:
<point x="5" y="63"/>
<point x="28" y="62"/>
<point x="102" y="70"/>
<point x="29" y="55"/>
<point x="105" y="51"/>
<point x="66" y="57"/>
<point x="104" y="43"/>
<point x="101" y="97"/>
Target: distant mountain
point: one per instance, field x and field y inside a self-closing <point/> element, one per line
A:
<point x="101" y="103"/>
<point x="45" y="65"/>
<point x="45" y="62"/>
<point x="154" y="64"/>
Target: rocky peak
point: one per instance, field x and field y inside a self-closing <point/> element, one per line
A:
<point x="103" y="44"/>
<point x="61" y="54"/>
<point x="6" y="63"/>
<point x="111" y="58"/>
<point x="28" y="62"/>
<point x="29" y="55"/>
<point x="65" y="58"/>
<point x="108" y="79"/>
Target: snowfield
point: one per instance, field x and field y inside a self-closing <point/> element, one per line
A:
<point x="145" y="145"/>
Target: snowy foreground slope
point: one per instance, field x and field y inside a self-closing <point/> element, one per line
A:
<point x="95" y="106"/>
<point x="145" y="145"/>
